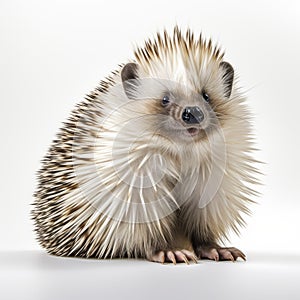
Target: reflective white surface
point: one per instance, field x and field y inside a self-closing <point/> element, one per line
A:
<point x="37" y="275"/>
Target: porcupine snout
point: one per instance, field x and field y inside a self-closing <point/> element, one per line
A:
<point x="192" y="115"/>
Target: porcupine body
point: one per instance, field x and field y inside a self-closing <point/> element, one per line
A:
<point x="155" y="163"/>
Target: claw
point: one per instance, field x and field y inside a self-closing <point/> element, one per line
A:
<point x="159" y="257"/>
<point x="171" y="257"/>
<point x="210" y="253"/>
<point x="181" y="257"/>
<point x="190" y="255"/>
<point x="236" y="253"/>
<point x="226" y="254"/>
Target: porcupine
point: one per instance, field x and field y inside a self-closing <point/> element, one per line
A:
<point x="155" y="163"/>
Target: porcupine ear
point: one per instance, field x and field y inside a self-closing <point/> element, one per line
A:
<point x="228" y="75"/>
<point x="129" y="76"/>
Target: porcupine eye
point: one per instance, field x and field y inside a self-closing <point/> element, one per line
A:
<point x="165" y="100"/>
<point x="205" y="97"/>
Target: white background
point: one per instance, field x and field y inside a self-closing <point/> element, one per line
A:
<point x="54" y="52"/>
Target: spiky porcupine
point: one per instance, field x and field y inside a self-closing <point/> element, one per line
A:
<point x="155" y="163"/>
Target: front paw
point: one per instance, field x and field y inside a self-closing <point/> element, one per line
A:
<point x="174" y="256"/>
<point x="219" y="253"/>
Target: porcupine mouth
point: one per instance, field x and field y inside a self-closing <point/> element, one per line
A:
<point x="189" y="132"/>
<point x="192" y="131"/>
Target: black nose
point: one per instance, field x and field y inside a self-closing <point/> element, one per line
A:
<point x="192" y="115"/>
